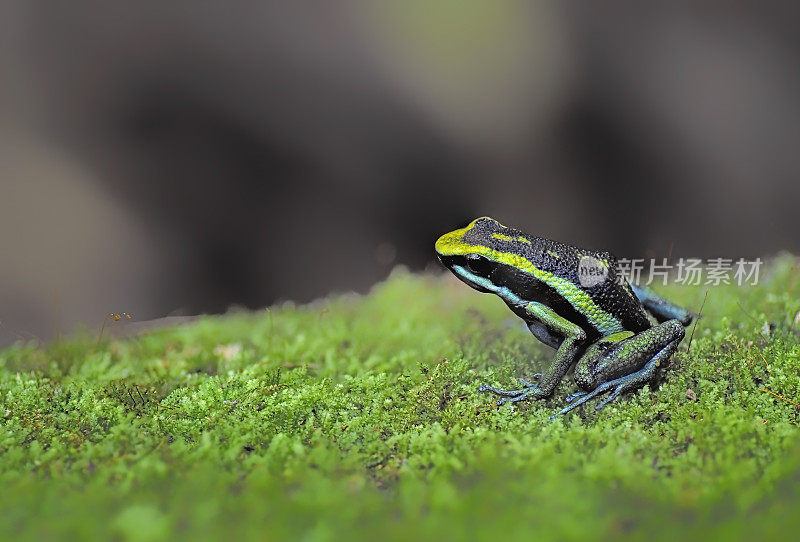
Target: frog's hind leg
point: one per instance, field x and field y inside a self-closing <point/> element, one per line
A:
<point x="661" y="308"/>
<point x="626" y="383"/>
<point x="669" y="334"/>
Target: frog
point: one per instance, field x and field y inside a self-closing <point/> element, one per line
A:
<point x="615" y="335"/>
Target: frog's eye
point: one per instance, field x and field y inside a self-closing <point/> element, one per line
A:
<point x="479" y="265"/>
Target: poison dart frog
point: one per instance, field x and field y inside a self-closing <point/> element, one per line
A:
<point x="573" y="300"/>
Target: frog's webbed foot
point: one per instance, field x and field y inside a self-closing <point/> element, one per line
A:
<point x="575" y="395"/>
<point x="529" y="389"/>
<point x="583" y="397"/>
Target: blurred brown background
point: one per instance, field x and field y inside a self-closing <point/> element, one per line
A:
<point x="164" y="158"/>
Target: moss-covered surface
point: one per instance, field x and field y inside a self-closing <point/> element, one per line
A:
<point x="358" y="418"/>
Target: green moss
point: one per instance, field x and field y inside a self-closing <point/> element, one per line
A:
<point x="358" y="417"/>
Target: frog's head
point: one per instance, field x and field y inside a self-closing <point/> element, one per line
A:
<point x="471" y="252"/>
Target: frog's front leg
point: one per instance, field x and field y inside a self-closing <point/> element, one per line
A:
<point x="624" y="362"/>
<point x="573" y="339"/>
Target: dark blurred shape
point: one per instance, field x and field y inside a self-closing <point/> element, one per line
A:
<point x="162" y="158"/>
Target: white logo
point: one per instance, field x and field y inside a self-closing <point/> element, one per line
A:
<point x="591" y="271"/>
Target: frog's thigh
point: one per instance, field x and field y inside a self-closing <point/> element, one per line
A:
<point x="624" y="353"/>
<point x="573" y="338"/>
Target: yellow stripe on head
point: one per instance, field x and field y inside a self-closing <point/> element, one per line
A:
<point x="452" y="243"/>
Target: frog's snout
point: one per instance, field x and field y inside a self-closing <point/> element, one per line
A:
<point x="446" y="244"/>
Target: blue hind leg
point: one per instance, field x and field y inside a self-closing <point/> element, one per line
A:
<point x="620" y="385"/>
<point x="661" y="308"/>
